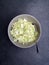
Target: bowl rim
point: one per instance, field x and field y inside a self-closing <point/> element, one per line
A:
<point x="12" y="22"/>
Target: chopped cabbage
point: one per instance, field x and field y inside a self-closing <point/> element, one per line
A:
<point x="23" y="31"/>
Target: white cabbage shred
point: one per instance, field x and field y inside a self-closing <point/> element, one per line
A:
<point x="24" y="31"/>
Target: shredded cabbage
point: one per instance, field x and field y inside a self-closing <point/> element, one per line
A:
<point x="24" y="31"/>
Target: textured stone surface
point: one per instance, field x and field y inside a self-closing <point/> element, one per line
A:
<point x="12" y="55"/>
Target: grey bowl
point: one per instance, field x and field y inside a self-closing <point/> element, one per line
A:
<point x="30" y="18"/>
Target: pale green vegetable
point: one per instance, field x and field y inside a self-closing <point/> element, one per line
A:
<point x="23" y="31"/>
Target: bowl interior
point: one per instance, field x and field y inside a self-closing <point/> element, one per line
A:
<point x="31" y="19"/>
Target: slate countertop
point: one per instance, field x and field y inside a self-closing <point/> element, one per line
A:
<point x="12" y="55"/>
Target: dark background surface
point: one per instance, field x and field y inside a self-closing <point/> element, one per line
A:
<point x="12" y="55"/>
